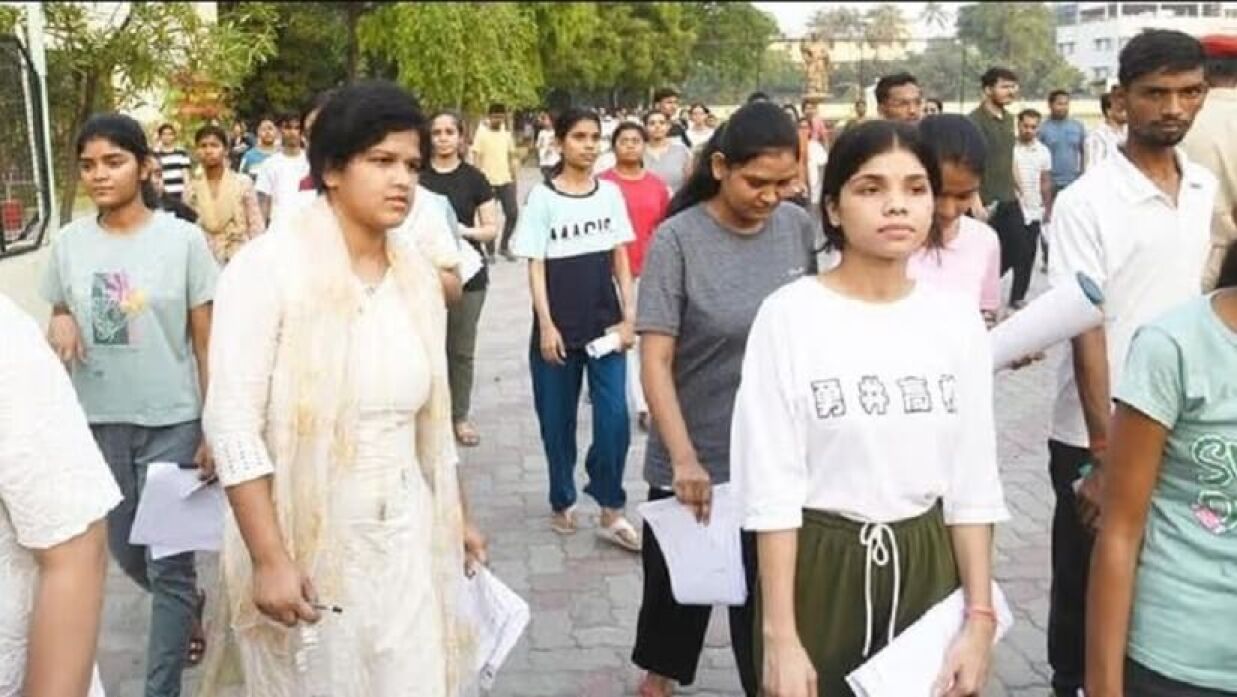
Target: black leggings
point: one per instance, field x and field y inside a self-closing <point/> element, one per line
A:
<point x="670" y="636"/>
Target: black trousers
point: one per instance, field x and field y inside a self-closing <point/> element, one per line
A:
<point x="1017" y="247"/>
<point x="511" y="211"/>
<point x="670" y="636"/>
<point x="1141" y="681"/>
<point x="1071" y="563"/>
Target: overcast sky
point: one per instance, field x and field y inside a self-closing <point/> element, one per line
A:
<point x="792" y="17"/>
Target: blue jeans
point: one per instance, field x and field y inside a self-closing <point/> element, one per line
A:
<point x="172" y="581"/>
<point x="556" y="397"/>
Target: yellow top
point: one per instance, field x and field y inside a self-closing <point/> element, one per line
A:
<point x="492" y="152"/>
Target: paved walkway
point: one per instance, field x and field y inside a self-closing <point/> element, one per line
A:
<point x="585" y="593"/>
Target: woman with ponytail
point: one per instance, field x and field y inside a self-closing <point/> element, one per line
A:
<point x="729" y="241"/>
<point x="131" y="290"/>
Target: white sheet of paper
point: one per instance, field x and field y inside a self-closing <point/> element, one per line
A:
<point x="1058" y="315"/>
<point x="909" y="665"/>
<point x="705" y="562"/>
<point x="470" y="261"/>
<point x="500" y="617"/>
<point x="177" y="512"/>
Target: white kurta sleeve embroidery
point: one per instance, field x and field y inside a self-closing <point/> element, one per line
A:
<point x="244" y="336"/>
<point x="974" y="495"/>
<point x="53" y="481"/>
<point x="768" y="446"/>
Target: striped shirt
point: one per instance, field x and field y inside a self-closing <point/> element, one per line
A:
<point x="1031" y="160"/>
<point x="175" y="164"/>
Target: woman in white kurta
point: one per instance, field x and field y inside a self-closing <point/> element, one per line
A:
<point x="55" y="490"/>
<point x="330" y="415"/>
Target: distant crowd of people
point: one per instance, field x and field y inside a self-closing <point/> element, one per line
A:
<point x="795" y="310"/>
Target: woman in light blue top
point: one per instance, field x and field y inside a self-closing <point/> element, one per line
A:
<point x="1163" y="588"/>
<point x="131" y="290"/>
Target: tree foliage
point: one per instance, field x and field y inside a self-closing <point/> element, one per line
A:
<point x="1020" y="36"/>
<point x="729" y="56"/>
<point x="458" y="55"/>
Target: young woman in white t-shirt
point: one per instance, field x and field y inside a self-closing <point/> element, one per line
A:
<point x="866" y="460"/>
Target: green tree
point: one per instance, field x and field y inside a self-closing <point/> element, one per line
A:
<point x="838" y="23"/>
<point x="884" y="25"/>
<point x="729" y="56"/>
<point x="310" y="55"/>
<point x="460" y="55"/>
<point x="1020" y="36"/>
<point x="935" y="16"/>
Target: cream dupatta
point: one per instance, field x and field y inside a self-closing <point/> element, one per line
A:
<point x="297" y="420"/>
<point x="224" y="218"/>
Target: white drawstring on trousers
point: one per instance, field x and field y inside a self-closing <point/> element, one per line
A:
<point x="872" y="536"/>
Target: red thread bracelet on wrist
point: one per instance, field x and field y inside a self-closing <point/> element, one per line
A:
<point x="981" y="611"/>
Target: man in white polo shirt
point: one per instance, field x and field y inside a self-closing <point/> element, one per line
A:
<point x="1137" y="224"/>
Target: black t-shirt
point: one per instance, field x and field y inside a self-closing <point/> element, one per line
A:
<point x="466" y="188"/>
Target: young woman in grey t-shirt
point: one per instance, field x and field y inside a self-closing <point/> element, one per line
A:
<point x="727" y="244"/>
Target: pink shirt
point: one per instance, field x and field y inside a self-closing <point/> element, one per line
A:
<point x="970" y="264"/>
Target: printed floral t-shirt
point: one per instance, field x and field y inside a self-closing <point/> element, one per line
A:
<point x="1181" y="371"/>
<point x="131" y="295"/>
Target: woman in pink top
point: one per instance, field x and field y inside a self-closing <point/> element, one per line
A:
<point x="647" y="198"/>
<point x="968" y="259"/>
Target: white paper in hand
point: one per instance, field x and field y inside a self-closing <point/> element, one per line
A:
<point x="910" y="664"/>
<point x="177" y="512"/>
<point x="705" y="562"/>
<point x="499" y="617"/>
<point x="471" y="262"/>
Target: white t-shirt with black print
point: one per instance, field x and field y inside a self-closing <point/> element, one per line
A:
<point x="872" y="411"/>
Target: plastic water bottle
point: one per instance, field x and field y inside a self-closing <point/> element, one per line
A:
<point x="312" y="660"/>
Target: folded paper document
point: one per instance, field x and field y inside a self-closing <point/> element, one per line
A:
<point x="177" y="512"/>
<point x="705" y="561"/>
<point x="499" y="617"/>
<point x="911" y="663"/>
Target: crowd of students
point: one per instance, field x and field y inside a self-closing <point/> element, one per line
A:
<point x="320" y="370"/>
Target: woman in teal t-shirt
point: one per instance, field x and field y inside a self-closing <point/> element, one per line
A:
<point x="1163" y="588"/>
<point x="131" y="290"/>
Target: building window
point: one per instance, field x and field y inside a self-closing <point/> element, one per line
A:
<point x="1066" y="48"/>
<point x="1100" y="73"/>
<point x="1180" y="9"/>
<point x="1067" y="14"/>
<point x="1135" y="9"/>
<point x="1093" y="14"/>
<point x="1211" y="9"/>
<point x="1104" y="44"/>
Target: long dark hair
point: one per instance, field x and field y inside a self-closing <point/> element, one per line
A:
<point x="755" y="129"/>
<point x="1228" y="268"/>
<point x="125" y="133"/>
<point x="853" y="149"/>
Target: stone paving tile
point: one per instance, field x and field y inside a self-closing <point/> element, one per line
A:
<point x="585" y="594"/>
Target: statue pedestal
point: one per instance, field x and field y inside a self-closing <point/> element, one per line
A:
<point x="818" y="97"/>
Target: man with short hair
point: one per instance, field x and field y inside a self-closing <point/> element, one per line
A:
<point x="1212" y="142"/>
<point x="494" y="153"/>
<point x="997" y="190"/>
<point x="898" y="98"/>
<point x="1033" y="166"/>
<point x="666" y="100"/>
<point x="1138" y="225"/>
<point x="1109" y="135"/>
<point x="280" y="175"/>
<point x="174" y="160"/>
<point x="1065" y="138"/>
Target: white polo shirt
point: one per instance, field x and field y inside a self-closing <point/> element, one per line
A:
<point x="1146" y="254"/>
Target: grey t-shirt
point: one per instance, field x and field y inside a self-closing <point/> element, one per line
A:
<point x="671" y="165"/>
<point x="702" y="284"/>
